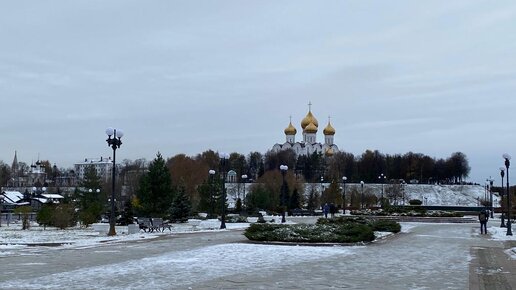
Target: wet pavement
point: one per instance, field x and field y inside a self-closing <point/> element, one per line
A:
<point x="429" y="256"/>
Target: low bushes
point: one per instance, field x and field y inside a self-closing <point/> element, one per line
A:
<point x="318" y="233"/>
<point x="415" y="202"/>
<point x="376" y="224"/>
<point x="412" y="211"/>
<point x="386" y="226"/>
<point x="338" y="230"/>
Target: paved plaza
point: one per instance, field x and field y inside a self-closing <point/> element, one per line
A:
<point x="423" y="256"/>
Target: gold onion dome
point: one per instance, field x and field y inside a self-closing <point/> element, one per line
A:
<point x="290" y="130"/>
<point x="309" y="119"/>
<point x="311" y="128"/>
<point x="329" y="130"/>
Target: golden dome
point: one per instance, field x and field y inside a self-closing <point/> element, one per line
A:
<point x="329" y="152"/>
<point x="311" y="128"/>
<point x="290" y="130"/>
<point x="329" y="130"/>
<point x="309" y="119"/>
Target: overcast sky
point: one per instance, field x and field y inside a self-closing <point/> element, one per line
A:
<point x="432" y="77"/>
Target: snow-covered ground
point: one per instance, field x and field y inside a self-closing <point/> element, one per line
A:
<point x="191" y="265"/>
<point x="14" y="238"/>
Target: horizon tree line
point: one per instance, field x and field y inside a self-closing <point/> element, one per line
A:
<point x="189" y="176"/>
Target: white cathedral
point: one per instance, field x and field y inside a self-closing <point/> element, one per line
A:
<point x="309" y="145"/>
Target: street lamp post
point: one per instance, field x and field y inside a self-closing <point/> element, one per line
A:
<point x="223" y="162"/>
<point x="244" y="179"/>
<point x="402" y="184"/>
<point x="491" y="180"/>
<point x="485" y="196"/>
<point x="507" y="158"/>
<point x="1" y="202"/>
<point x="96" y="191"/>
<point x="114" y="141"/>
<point x="344" y="178"/>
<point x="212" y="208"/>
<point x="382" y="180"/>
<point x="362" y="195"/>
<point x="502" y="174"/>
<point x="283" y="197"/>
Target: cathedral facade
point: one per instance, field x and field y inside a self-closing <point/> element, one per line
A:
<point x="309" y="145"/>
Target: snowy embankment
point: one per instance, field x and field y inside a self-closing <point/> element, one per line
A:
<point x="448" y="195"/>
<point x="460" y="195"/>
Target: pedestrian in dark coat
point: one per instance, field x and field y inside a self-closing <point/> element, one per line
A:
<point x="326" y="210"/>
<point x="333" y="210"/>
<point x="483" y="217"/>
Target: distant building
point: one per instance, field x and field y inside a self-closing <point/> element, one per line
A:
<point x="37" y="174"/>
<point x="103" y="166"/>
<point x="309" y="145"/>
<point x="26" y="177"/>
<point x="232" y="176"/>
<point x="45" y="198"/>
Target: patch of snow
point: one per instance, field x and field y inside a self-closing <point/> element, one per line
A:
<point x="497" y="233"/>
<point x="511" y="253"/>
<point x="407" y="227"/>
<point x="183" y="268"/>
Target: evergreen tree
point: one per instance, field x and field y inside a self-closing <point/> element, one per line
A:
<point x="204" y="191"/>
<point x="313" y="199"/>
<point x="284" y="197"/>
<point x="181" y="206"/>
<point x="127" y="214"/>
<point x="258" y="198"/>
<point x="238" y="205"/>
<point x="44" y="216"/>
<point x="332" y="194"/>
<point x="91" y="199"/>
<point x="155" y="194"/>
<point x="295" y="199"/>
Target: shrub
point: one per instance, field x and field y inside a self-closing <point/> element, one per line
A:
<point x="376" y="225"/>
<point x="64" y="216"/>
<point x="386" y="226"/>
<point x="44" y="216"/>
<point x="318" y="233"/>
<point x="24" y="211"/>
<point x="236" y="219"/>
<point x="415" y="202"/>
<point x="90" y="214"/>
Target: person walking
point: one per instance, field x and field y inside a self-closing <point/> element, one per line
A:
<point x="326" y="210"/>
<point x="483" y="217"/>
<point x="333" y="210"/>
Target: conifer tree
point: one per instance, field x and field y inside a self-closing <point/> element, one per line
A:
<point x="127" y="214"/>
<point x="155" y="194"/>
<point x="91" y="202"/>
<point x="313" y="199"/>
<point x="294" y="199"/>
<point x="181" y="206"/>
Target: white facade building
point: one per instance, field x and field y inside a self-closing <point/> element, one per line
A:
<point x="309" y="145"/>
<point x="103" y="166"/>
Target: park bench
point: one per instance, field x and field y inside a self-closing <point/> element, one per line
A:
<point x="302" y="212"/>
<point x="158" y="224"/>
<point x="145" y="224"/>
<point x="153" y="224"/>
